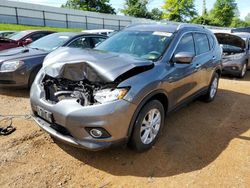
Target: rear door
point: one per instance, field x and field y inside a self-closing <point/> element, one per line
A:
<point x="203" y="60"/>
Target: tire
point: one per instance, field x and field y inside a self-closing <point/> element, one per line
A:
<point x="139" y="139"/>
<point x="212" y="90"/>
<point x="243" y="71"/>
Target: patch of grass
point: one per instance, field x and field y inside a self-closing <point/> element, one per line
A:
<point x="16" y="27"/>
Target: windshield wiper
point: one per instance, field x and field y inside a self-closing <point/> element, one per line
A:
<point x="36" y="48"/>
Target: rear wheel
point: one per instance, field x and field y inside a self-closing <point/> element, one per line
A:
<point x="212" y="90"/>
<point x="148" y="126"/>
<point x="243" y="71"/>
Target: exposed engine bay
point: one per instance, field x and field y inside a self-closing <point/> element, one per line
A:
<point x="57" y="89"/>
<point x="233" y="46"/>
<point x="230" y="51"/>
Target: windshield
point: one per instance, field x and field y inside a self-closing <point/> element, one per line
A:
<point x="17" y="35"/>
<point x="50" y="42"/>
<point x="143" y="44"/>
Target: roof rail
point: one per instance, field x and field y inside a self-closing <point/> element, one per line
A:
<point x="183" y="25"/>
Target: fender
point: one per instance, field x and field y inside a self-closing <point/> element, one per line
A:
<point x="139" y="107"/>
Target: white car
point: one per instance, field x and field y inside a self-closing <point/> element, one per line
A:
<point x="99" y="31"/>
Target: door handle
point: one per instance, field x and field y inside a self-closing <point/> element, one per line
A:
<point x="198" y="66"/>
<point x="170" y="79"/>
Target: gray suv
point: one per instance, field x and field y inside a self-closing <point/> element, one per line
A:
<point x="121" y="91"/>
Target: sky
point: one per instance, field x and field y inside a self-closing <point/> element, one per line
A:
<point x="243" y="5"/>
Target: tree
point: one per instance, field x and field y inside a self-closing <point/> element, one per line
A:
<point x="247" y="18"/>
<point x="156" y="14"/>
<point x="136" y="8"/>
<point x="101" y="6"/>
<point x="203" y="20"/>
<point x="237" y="22"/>
<point x="179" y="11"/>
<point x="223" y="12"/>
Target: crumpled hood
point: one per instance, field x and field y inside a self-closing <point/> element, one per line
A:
<point x="20" y="53"/>
<point x="93" y="65"/>
<point x="230" y="39"/>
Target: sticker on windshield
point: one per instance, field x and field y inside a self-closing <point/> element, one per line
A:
<point x="164" y="34"/>
<point x="63" y="37"/>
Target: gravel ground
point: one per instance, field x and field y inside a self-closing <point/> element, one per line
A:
<point x="202" y="145"/>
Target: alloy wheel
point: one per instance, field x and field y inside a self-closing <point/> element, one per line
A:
<point x="150" y="126"/>
<point x="214" y="87"/>
<point x="244" y="70"/>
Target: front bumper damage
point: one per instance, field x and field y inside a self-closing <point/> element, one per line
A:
<point x="73" y="119"/>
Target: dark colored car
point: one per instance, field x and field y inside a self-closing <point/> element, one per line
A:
<point x="19" y="66"/>
<point x="235" y="53"/>
<point x="4" y="34"/>
<point x="21" y="38"/>
<point x="122" y="90"/>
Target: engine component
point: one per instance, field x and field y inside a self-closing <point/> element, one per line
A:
<point x="61" y="89"/>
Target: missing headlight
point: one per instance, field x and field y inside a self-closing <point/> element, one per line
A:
<point x="57" y="89"/>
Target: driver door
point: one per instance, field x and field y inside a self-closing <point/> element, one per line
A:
<point x="184" y="77"/>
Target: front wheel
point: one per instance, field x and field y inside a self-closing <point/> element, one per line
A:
<point x="212" y="90"/>
<point x="148" y="126"/>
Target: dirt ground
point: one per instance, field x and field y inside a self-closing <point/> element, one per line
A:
<point x="202" y="145"/>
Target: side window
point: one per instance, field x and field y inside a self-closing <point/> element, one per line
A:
<point x="37" y="36"/>
<point x="186" y="44"/>
<point x="211" y="41"/>
<point x="97" y="40"/>
<point x="201" y="43"/>
<point x="82" y="42"/>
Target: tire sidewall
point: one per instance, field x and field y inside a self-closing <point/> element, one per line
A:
<point x="135" y="141"/>
<point x="242" y="76"/>
<point x="210" y="86"/>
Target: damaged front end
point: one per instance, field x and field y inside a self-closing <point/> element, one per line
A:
<point x="82" y="101"/>
<point x="234" y="57"/>
<point x="92" y="81"/>
<point x="83" y="91"/>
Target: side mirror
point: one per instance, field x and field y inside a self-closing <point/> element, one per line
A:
<point x="183" y="57"/>
<point x="27" y="41"/>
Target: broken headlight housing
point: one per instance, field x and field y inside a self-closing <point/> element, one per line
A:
<point x="108" y="95"/>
